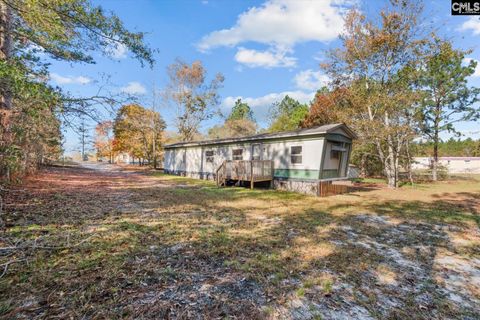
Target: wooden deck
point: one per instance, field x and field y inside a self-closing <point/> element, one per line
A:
<point x="244" y="170"/>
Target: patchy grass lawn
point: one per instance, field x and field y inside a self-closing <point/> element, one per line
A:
<point x="82" y="243"/>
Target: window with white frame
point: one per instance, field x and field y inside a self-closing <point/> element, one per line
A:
<point x="237" y="154"/>
<point x="296" y="154"/>
<point x="209" y="156"/>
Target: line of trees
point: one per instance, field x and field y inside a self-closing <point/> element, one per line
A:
<point x="30" y="108"/>
<point x="239" y="123"/>
<point x="393" y="81"/>
<point x="451" y="148"/>
<point x="136" y="130"/>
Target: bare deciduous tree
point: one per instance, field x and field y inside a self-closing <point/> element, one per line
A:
<point x="195" y="100"/>
<point x="371" y="63"/>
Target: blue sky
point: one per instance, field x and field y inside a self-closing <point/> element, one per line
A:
<point x="264" y="49"/>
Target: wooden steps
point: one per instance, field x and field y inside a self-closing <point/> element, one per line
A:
<point x="244" y="170"/>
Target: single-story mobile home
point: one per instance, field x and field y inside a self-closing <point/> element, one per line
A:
<point x="295" y="160"/>
<point x="452" y="164"/>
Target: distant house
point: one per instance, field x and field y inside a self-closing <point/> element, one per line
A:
<point x="295" y="160"/>
<point x="453" y="164"/>
<point x="122" y="157"/>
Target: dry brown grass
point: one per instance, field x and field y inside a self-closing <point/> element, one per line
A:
<point x="124" y="244"/>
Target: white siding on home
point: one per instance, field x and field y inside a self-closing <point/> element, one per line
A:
<point x="279" y="152"/>
<point x="191" y="158"/>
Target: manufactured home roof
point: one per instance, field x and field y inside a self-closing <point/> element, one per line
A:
<point x="328" y="128"/>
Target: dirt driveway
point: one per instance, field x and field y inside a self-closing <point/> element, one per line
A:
<point x="98" y="241"/>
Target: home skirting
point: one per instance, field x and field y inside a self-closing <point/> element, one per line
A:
<point x="311" y="187"/>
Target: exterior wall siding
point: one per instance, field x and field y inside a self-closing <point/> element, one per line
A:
<point x="301" y="177"/>
<point x="297" y="174"/>
<point x="193" y="159"/>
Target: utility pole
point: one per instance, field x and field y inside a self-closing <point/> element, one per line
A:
<point x="83" y="146"/>
<point x="83" y="132"/>
<point x="154" y="129"/>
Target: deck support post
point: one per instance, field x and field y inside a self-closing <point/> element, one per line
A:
<point x="244" y="170"/>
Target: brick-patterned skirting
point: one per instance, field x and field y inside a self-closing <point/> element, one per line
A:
<point x="306" y="187"/>
<point x="300" y="186"/>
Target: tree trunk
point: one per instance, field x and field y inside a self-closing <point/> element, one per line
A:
<point x="409" y="162"/>
<point x="154" y="151"/>
<point x="363" y="165"/>
<point x="390" y="174"/>
<point x="435" y="156"/>
<point x="5" y="52"/>
<point x="391" y="163"/>
<point x="6" y="138"/>
<point x="436" y="138"/>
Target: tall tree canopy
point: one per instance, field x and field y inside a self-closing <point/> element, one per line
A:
<point x="326" y="108"/>
<point x="138" y="131"/>
<point x="194" y="100"/>
<point x="241" y="110"/>
<point x="449" y="148"/>
<point x="287" y="114"/>
<point x="104" y="140"/>
<point x="68" y="30"/>
<point x="448" y="99"/>
<point x="239" y="123"/>
<point x="371" y="63"/>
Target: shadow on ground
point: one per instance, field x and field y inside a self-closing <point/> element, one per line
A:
<point x="114" y="244"/>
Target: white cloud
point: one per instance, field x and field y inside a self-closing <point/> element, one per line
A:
<point x="310" y="80"/>
<point x="134" y="88"/>
<point x="477" y="68"/>
<point x="69" y="79"/>
<point x="267" y="59"/>
<point x="279" y="24"/>
<point x="473" y="23"/>
<point x="270" y="98"/>
<point x="261" y="105"/>
<point x="35" y="49"/>
<point x="117" y="50"/>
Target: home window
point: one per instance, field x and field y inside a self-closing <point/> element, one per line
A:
<point x="335" y="154"/>
<point x="337" y="149"/>
<point x="296" y="154"/>
<point x="209" y="155"/>
<point x="237" y="154"/>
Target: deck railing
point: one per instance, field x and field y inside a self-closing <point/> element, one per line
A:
<point x="245" y="170"/>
